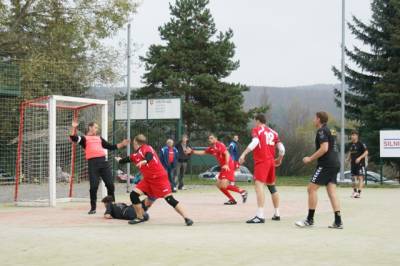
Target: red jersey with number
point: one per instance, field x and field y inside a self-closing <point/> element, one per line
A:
<point x="152" y="169"/>
<point x="267" y="139"/>
<point x="218" y="150"/>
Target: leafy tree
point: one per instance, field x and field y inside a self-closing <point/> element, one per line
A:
<point x="193" y="63"/>
<point x="373" y="92"/>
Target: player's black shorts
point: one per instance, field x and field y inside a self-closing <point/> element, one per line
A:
<point x="324" y="175"/>
<point x="357" y="169"/>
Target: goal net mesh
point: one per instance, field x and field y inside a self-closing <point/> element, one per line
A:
<point x="32" y="166"/>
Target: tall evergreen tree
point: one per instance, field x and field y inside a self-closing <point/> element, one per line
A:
<point x="192" y="63"/>
<point x="373" y="95"/>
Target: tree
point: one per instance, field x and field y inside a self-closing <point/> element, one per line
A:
<point x="57" y="44"/>
<point x="373" y="92"/>
<point x="192" y="63"/>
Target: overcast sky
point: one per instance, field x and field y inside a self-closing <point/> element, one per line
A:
<point x="278" y="42"/>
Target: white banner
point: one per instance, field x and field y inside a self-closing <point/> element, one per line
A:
<point x="164" y="108"/>
<point x="138" y="110"/>
<point x="389" y="143"/>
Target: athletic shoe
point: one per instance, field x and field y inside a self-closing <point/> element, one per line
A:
<point x="174" y="191"/>
<point x="276" y="218"/>
<point x="92" y="212"/>
<point x="336" y="226"/>
<point x="230" y="202"/>
<point x="357" y="196"/>
<point x="146" y="216"/>
<point x="136" y="221"/>
<point x="354" y="194"/>
<point x="256" y="220"/>
<point x="244" y="196"/>
<point x="188" y="222"/>
<point x="304" y="223"/>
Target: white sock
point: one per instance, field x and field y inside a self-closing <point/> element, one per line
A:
<point x="277" y="212"/>
<point x="260" y="213"/>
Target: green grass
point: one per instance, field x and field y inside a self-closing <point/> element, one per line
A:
<point x="281" y="181"/>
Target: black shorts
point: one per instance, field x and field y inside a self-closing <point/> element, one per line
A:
<point x="357" y="170"/>
<point x="324" y="175"/>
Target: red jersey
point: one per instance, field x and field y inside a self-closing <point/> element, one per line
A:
<point x="218" y="150"/>
<point x="268" y="138"/>
<point x="152" y="169"/>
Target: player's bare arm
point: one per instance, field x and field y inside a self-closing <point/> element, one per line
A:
<point x="191" y="151"/>
<point x="254" y="142"/>
<point x="364" y="155"/>
<point x="281" y="153"/>
<point x="320" y="152"/>
<point x="226" y="165"/>
<point x="73" y="128"/>
<point x="123" y="144"/>
<point x="107" y="216"/>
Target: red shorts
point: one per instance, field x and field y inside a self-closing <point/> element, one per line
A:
<point x="230" y="175"/>
<point x="265" y="172"/>
<point x="155" y="187"/>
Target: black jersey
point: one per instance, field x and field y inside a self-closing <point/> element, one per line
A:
<point x="356" y="150"/>
<point x="120" y="211"/>
<point x="330" y="158"/>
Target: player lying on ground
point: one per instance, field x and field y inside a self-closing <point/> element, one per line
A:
<point x="325" y="173"/>
<point x="358" y="151"/>
<point x="226" y="177"/>
<point x="263" y="144"/>
<point x="98" y="166"/>
<point x="155" y="183"/>
<point x="120" y="210"/>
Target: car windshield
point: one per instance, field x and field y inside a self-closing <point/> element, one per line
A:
<point x="215" y="168"/>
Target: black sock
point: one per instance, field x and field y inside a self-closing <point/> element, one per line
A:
<point x="144" y="206"/>
<point x="354" y="189"/>
<point x="359" y="191"/>
<point x="310" y="216"/>
<point x="338" y="218"/>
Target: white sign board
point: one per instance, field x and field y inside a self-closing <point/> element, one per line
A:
<point x="389" y="143"/>
<point x="164" y="108"/>
<point x="138" y="110"/>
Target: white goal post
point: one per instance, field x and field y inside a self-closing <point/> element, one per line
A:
<point x="46" y="159"/>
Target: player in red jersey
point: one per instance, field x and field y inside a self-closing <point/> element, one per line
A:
<point x="263" y="145"/>
<point x="226" y="177"/>
<point x="155" y="183"/>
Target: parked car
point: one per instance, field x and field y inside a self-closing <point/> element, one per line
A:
<point x="6" y="178"/>
<point x="372" y="177"/>
<point x="241" y="174"/>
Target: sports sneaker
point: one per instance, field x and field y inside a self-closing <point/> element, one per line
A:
<point x="256" y="220"/>
<point x="244" y="196"/>
<point x="336" y="226"/>
<point x="276" y="218"/>
<point x="188" y="222"/>
<point x="92" y="212"/>
<point x="230" y="202"/>
<point x="357" y="195"/>
<point x="354" y="194"/>
<point x="146" y="216"/>
<point x="304" y="223"/>
<point x="137" y="221"/>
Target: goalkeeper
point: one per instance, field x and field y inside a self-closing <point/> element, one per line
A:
<point x="95" y="154"/>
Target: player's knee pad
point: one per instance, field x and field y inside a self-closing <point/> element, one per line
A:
<point x="171" y="201"/>
<point x="135" y="197"/>
<point x="272" y="189"/>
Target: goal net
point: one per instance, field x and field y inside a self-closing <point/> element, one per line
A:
<point x="49" y="167"/>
